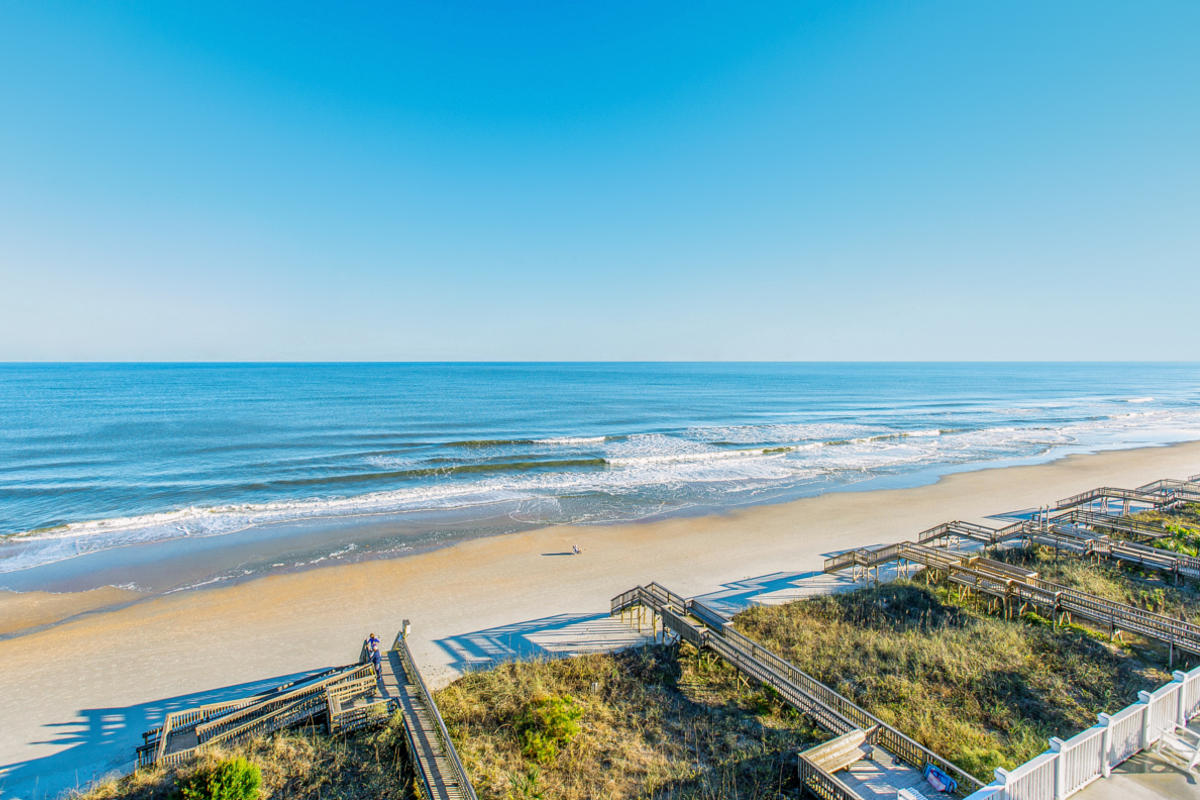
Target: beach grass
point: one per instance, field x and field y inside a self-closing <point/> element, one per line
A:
<point x="980" y="690"/>
<point x="302" y="764"/>
<point x="663" y="721"/>
<point x="1182" y="526"/>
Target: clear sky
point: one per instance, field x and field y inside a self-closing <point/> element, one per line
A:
<point x="599" y="180"/>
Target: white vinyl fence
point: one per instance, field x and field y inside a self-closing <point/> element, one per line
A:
<point x="1070" y="765"/>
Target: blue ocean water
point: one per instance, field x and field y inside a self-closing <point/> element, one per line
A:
<point x="102" y="456"/>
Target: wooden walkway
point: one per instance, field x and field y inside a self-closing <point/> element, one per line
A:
<point x="1016" y="591"/>
<point x="437" y="764"/>
<point x="347" y="698"/>
<point x="185" y="733"/>
<point x="702" y="626"/>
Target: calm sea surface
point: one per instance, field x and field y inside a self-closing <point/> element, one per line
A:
<point x="100" y="457"/>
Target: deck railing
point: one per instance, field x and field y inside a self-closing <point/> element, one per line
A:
<point x="1150" y="498"/>
<point x="823" y="784"/>
<point x="971" y="572"/>
<point x="1071" y="764"/>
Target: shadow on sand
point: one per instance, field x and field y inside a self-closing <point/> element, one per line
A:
<point x="103" y="740"/>
<point x="565" y="635"/>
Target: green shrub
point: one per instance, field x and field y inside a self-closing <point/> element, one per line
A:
<point x="548" y="723"/>
<point x="232" y="779"/>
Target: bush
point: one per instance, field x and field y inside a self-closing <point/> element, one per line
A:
<point x="232" y="779"/>
<point x="548" y="723"/>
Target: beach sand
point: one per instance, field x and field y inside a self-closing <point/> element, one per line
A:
<point x="21" y="611"/>
<point x="75" y="697"/>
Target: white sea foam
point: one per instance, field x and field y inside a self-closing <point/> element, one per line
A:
<point x="656" y="465"/>
<point x="781" y="432"/>
<point x="1140" y="400"/>
<point x="571" y="441"/>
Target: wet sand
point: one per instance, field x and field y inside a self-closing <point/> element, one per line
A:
<point x="75" y="697"/>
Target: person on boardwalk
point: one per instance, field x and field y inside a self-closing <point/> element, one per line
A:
<point x="373" y="643"/>
<point x="376" y="661"/>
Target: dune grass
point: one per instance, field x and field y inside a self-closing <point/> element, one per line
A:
<point x="1150" y="589"/>
<point x="1182" y="526"/>
<point x="982" y="691"/>
<point x="295" y="765"/>
<point x="657" y="722"/>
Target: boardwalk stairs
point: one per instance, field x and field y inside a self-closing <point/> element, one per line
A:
<point x="704" y="627"/>
<point x="333" y="695"/>
<point x="345" y="699"/>
<point x="436" y="762"/>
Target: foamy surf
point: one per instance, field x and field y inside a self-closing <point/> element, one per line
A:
<point x="533" y="450"/>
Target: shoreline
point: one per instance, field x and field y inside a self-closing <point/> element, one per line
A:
<point x="468" y="602"/>
<point x="157" y="568"/>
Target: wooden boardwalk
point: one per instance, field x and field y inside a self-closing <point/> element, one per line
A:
<point x="694" y="622"/>
<point x="346" y="698"/>
<point x="184" y="733"/>
<point x="436" y="761"/>
<point x="1016" y="591"/>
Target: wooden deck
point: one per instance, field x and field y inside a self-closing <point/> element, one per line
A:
<point x="882" y="776"/>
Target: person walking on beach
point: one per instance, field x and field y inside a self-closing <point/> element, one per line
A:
<point x="575" y="549"/>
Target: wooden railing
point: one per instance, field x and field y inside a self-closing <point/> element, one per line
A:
<point x="968" y="571"/>
<point x="211" y="724"/>
<point x="824" y="785"/>
<point x="449" y="751"/>
<point x="831" y="710"/>
<point x="1096" y="520"/>
<point x="1150" y="498"/>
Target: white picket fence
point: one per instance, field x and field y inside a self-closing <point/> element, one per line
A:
<point x="1070" y="765"/>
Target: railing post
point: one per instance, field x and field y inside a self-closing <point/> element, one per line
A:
<point x="1144" y="699"/>
<point x="1106" y="745"/>
<point x="1002" y="779"/>
<point x="1181" y="697"/>
<point x="1060" y="772"/>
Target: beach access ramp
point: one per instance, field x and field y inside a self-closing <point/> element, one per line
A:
<point x="435" y="760"/>
<point x="345" y="699"/>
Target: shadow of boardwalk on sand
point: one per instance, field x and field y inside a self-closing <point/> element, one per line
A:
<point x="565" y="635"/>
<point x="100" y="741"/>
<point x="559" y="636"/>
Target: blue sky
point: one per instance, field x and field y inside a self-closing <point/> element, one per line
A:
<point x="617" y="180"/>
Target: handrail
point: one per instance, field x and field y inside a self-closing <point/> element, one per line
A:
<point x="824" y="784"/>
<point x="833" y="710"/>
<point x="965" y="570"/>
<point x="1155" y="500"/>
<point x="414" y="675"/>
<point x="204" y="729"/>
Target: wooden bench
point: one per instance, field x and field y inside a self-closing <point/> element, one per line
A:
<point x="839" y="753"/>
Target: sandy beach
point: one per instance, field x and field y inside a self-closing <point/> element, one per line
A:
<point x="75" y="696"/>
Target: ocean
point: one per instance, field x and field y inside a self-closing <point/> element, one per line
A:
<point x="109" y="469"/>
